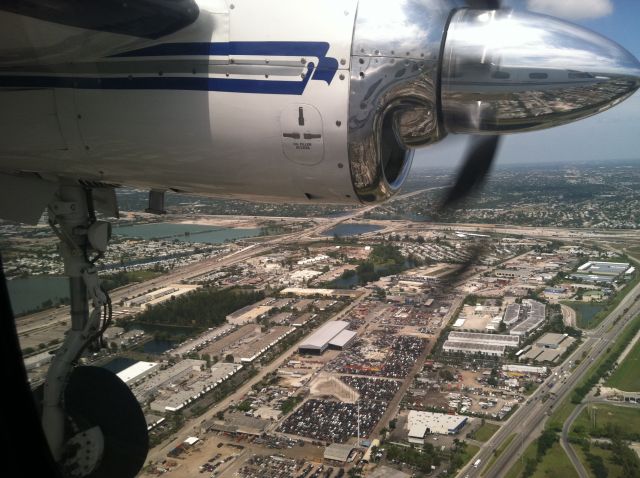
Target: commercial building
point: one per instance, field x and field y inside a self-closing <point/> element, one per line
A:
<point x="422" y="423"/>
<point x="138" y="371"/>
<point x="318" y="342"/>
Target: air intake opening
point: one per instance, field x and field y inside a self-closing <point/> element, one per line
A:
<point x="392" y="154"/>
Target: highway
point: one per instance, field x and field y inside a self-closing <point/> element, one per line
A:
<point x="528" y="420"/>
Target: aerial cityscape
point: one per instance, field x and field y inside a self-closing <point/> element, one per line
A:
<point x="499" y="338"/>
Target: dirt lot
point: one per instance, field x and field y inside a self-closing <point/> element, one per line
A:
<point x="234" y="452"/>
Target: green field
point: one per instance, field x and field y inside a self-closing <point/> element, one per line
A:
<point x="485" y="432"/>
<point x="469" y="452"/>
<point x="627" y="375"/>
<point x="555" y="463"/>
<point x="613" y="470"/>
<point x="625" y="418"/>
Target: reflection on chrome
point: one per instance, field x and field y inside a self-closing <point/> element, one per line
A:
<point x="509" y="71"/>
<point x="393" y="90"/>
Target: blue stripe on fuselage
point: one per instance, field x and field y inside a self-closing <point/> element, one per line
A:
<point x="325" y="70"/>
<point x="326" y="65"/>
<point x="228" y="85"/>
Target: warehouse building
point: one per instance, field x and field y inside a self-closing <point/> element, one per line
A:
<point x="535" y="313"/>
<point x="480" y="338"/>
<point x="138" y="371"/>
<point x="338" y="452"/>
<point x="422" y="423"/>
<point x="343" y="339"/>
<point x="604" y="268"/>
<point x="319" y="341"/>
<point x="250" y="313"/>
<point x="548" y="348"/>
<point x="195" y="344"/>
<point x="163" y="378"/>
<point x="176" y="398"/>
<point x="495" y="350"/>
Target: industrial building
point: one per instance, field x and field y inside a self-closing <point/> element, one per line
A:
<point x="535" y="313"/>
<point x="250" y="313"/>
<point x="494" y="350"/>
<point x="511" y="314"/>
<point x="179" y="397"/>
<point x="343" y="339"/>
<point x="524" y="369"/>
<point x="472" y="343"/>
<point x="147" y="389"/>
<point x="548" y="348"/>
<point x="153" y="421"/>
<point x="250" y="351"/>
<point x="138" y="371"/>
<point x="604" y="268"/>
<point x="480" y="338"/>
<point x="194" y="345"/>
<point x="422" y="423"/>
<point x="320" y="340"/>
<point x="338" y="452"/>
<point x="159" y="296"/>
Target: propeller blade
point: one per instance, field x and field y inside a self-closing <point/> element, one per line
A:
<point x="484" y="4"/>
<point x="474" y="171"/>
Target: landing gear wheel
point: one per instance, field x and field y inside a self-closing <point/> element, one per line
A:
<point x="96" y="397"/>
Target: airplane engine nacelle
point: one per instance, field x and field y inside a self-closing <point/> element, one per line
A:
<point x="314" y="101"/>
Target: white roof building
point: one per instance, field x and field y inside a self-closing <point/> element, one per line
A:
<point x="343" y="339"/>
<point x="138" y="371"/>
<point x="318" y="341"/>
<point x="422" y="423"/>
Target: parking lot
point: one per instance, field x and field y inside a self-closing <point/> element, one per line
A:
<point x="377" y="389"/>
<point x="380" y="353"/>
<point x="331" y="421"/>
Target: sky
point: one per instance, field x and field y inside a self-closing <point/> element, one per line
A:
<point x="611" y="135"/>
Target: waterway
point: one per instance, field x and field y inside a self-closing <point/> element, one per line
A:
<point x="345" y="230"/>
<point x="186" y="232"/>
<point x="157" y="347"/>
<point x="585" y="313"/>
<point x="28" y="293"/>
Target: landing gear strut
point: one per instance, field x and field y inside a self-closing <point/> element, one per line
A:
<point x="78" y="436"/>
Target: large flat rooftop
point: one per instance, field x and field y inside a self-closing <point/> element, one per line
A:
<point x="319" y="340"/>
